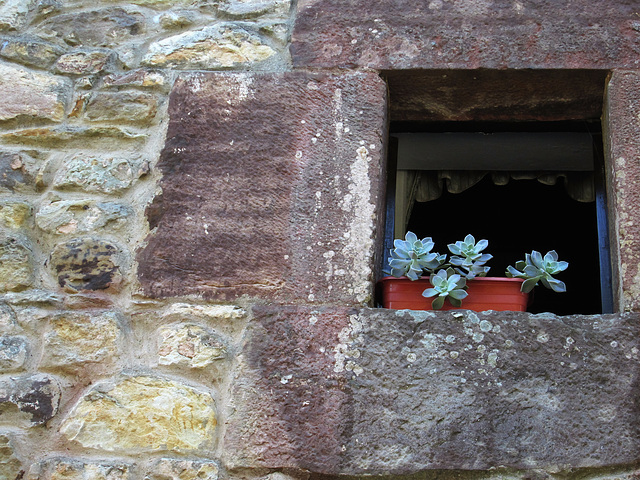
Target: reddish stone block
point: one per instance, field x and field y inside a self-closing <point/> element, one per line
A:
<point x="386" y="392"/>
<point x="622" y="142"/>
<point x="465" y="34"/>
<point x="271" y="188"/>
<point x="290" y="398"/>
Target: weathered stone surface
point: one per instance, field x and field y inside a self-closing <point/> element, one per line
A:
<point x="177" y="19"/>
<point x="190" y="345"/>
<point x="68" y="469"/>
<point x="290" y="397"/>
<point x="142" y="414"/>
<point x="16" y="263"/>
<point x="271" y="194"/>
<point x="13" y="13"/>
<point x="8" y="320"/>
<point x="465" y="34"/>
<point x="397" y="392"/>
<point x="29" y="94"/>
<point x="159" y="3"/>
<point x="495" y="95"/>
<point x="14" y="214"/>
<point x="9" y="463"/>
<point x="122" y="107"/>
<point x="18" y="172"/>
<point x="71" y="135"/>
<point x="105" y="27"/>
<point x="13" y="353"/>
<point x="76" y="340"/>
<point x="621" y="130"/>
<point x="99" y="173"/>
<point x="243" y="9"/>
<point x="87" y="263"/>
<point x="30" y="51"/>
<point x="137" y="78"/>
<point x="176" y="469"/>
<point x="62" y="217"/>
<point x="84" y="62"/>
<point x="28" y="400"/>
<point x="217" y="46"/>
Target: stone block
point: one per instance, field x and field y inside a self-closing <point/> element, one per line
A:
<point x="84" y="62"/>
<point x="177" y="19"/>
<point x="14" y="351"/>
<point x="99" y="173"/>
<point x="31" y="94"/>
<point x="77" y="340"/>
<point x="290" y="396"/>
<point x="464" y="34"/>
<point x="14" y="13"/>
<point x="215" y="47"/>
<point x="495" y="95"/>
<point x="621" y="139"/>
<point x="16" y="263"/>
<point x="122" y="107"/>
<point x="243" y="9"/>
<point x="190" y="345"/>
<point x="14" y="214"/>
<point x="103" y="27"/>
<point x="69" y="469"/>
<point x="382" y="392"/>
<point x="10" y="465"/>
<point x="18" y="172"/>
<point x="28" y="400"/>
<point x="63" y="217"/>
<point x="138" y="78"/>
<point x="30" y="51"/>
<point x="178" y="469"/>
<point x="87" y="263"/>
<point x="72" y="135"/>
<point x="272" y="187"/>
<point x="142" y="414"/>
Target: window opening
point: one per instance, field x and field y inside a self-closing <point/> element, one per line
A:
<point x="565" y="211"/>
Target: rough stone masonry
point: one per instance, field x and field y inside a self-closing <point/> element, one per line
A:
<point x="191" y="204"/>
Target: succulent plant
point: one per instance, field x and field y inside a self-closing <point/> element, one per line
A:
<point x="446" y="284"/>
<point x="468" y="257"/>
<point x="411" y="257"/>
<point x="536" y="268"/>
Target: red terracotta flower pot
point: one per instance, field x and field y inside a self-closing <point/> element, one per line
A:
<point x="485" y="293"/>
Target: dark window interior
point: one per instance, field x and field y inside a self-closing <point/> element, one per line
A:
<point x="522" y="216"/>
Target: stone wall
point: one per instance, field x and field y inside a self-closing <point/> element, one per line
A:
<point x="188" y="257"/>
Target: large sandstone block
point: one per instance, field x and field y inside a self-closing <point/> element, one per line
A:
<point x="464" y="34"/>
<point x="271" y="187"/>
<point x="622" y="140"/>
<point x="397" y="392"/>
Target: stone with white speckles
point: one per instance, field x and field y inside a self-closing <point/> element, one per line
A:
<point x="304" y="223"/>
<point x="389" y="394"/>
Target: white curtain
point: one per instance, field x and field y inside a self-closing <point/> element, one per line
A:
<point x="426" y="185"/>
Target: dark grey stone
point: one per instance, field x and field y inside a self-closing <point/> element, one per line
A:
<point x="398" y="392"/>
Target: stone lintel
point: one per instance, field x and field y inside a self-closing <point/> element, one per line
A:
<point x="465" y="34"/>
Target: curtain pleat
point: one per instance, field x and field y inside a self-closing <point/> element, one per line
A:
<point x="426" y="185"/>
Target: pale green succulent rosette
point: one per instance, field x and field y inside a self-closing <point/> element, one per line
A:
<point x="536" y="268"/>
<point x="446" y="284"/>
